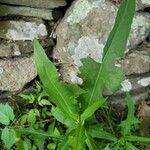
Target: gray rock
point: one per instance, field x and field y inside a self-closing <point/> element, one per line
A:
<point x="132" y="84"/>
<point x="84" y="31"/>
<point x="7" y="10"/>
<point x="120" y="100"/>
<point x="22" y="48"/>
<point x="10" y="48"/>
<point x="15" y="73"/>
<point x="37" y="3"/>
<point x="140" y="29"/>
<point x="137" y="62"/>
<point x="21" y="30"/>
<point x="141" y="4"/>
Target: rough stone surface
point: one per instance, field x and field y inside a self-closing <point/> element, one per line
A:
<point x="15" y="73"/>
<point x="133" y="84"/>
<point x="84" y="31"/>
<point x="21" y="30"/>
<point x="22" y="48"/>
<point x="139" y="88"/>
<point x="141" y="4"/>
<point x="37" y="3"/>
<point x="140" y="29"/>
<point x="6" y="10"/>
<point x="121" y="99"/>
<point x="10" y="48"/>
<point x="137" y="62"/>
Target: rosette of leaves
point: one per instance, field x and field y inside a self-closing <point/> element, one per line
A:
<point x="75" y="104"/>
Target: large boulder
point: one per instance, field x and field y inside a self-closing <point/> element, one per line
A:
<point x="37" y="3"/>
<point x="15" y="73"/>
<point x="22" y="30"/>
<point x="12" y="49"/>
<point x="84" y="31"/>
<point x="141" y="4"/>
<point x="7" y="10"/>
<point x="137" y="62"/>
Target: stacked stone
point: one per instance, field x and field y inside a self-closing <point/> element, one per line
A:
<point x="84" y="31"/>
<point x="20" y="22"/>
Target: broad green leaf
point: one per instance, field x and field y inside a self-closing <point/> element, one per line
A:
<point x="91" y="109"/>
<point x="62" y="94"/>
<point x="96" y="131"/>
<point x="127" y="125"/>
<point x="59" y="116"/>
<point x="6" y="114"/>
<point x="133" y="138"/>
<point x="77" y="141"/>
<point x="8" y="137"/>
<point x="106" y="75"/>
<point x="34" y="132"/>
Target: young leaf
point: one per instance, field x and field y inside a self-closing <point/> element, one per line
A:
<point x="77" y="141"/>
<point x="91" y="109"/>
<point x="131" y="120"/>
<point x="59" y="116"/>
<point x="98" y="76"/>
<point x="130" y="146"/>
<point x="62" y="94"/>
<point x="6" y="114"/>
<point x="90" y="142"/>
<point x="8" y="137"/>
<point x="36" y="133"/>
<point x="96" y="131"/>
<point x="133" y="138"/>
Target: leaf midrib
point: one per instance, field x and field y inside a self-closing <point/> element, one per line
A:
<point x="101" y="66"/>
<point x="70" y="113"/>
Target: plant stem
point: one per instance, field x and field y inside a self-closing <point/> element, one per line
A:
<point x="79" y="136"/>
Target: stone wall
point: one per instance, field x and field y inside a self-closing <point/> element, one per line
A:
<point x="83" y="31"/>
<point x="20" y="22"/>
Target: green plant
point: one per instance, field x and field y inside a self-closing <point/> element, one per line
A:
<point x="39" y="107"/>
<point x="31" y="128"/>
<point x="8" y="135"/>
<point x="119" y="136"/>
<point x="75" y="105"/>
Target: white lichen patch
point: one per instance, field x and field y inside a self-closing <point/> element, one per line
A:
<point x="126" y="86"/>
<point x="145" y="2"/>
<point x="25" y="30"/>
<point x="144" y="82"/>
<point x="41" y="30"/>
<point x="81" y="10"/>
<point x="118" y="65"/>
<point x="88" y="46"/>
<point x="17" y="53"/>
<point x="139" y="28"/>
<point x="1" y="70"/>
<point x="74" y="78"/>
